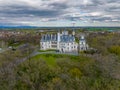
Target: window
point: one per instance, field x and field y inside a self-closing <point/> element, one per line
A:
<point x="54" y="46"/>
<point x="54" y="42"/>
<point x="81" y="48"/>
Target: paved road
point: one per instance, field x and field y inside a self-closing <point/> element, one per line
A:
<point x="10" y="66"/>
<point x="18" y="47"/>
<point x="3" y="50"/>
<point x="53" y="52"/>
<point x="14" y="64"/>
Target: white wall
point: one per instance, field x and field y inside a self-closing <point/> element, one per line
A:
<point x="68" y="47"/>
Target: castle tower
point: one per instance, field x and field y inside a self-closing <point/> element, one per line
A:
<point x="58" y="37"/>
<point x="82" y="43"/>
<point x="58" y="40"/>
<point x="82" y="40"/>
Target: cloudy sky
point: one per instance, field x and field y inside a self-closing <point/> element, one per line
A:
<point x="60" y="12"/>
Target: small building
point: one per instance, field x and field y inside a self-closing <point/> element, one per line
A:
<point x="63" y="41"/>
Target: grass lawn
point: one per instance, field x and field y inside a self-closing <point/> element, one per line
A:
<point x="51" y="59"/>
<point x="48" y="59"/>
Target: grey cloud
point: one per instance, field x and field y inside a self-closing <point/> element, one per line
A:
<point x="20" y="11"/>
<point x="53" y="10"/>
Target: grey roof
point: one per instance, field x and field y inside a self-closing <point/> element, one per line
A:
<point x="49" y="37"/>
<point x="63" y="38"/>
<point x="67" y="38"/>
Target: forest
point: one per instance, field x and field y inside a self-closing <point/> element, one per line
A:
<point x="96" y="69"/>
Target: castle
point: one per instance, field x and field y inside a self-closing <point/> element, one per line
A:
<point x="63" y="41"/>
